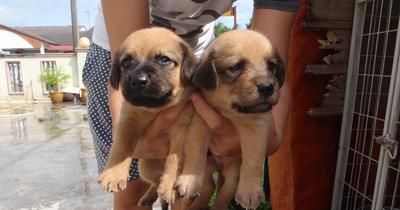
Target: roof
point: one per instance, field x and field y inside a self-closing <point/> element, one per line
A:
<point x="28" y="34"/>
<point x="61" y="35"/>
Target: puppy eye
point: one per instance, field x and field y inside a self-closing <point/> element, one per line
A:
<point x="271" y="65"/>
<point x="237" y="67"/>
<point x="163" y="60"/>
<point x="126" y="62"/>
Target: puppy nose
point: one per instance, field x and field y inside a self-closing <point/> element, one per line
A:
<point x="265" y="89"/>
<point x="139" y="80"/>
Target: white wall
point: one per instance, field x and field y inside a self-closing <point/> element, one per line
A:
<point x="31" y="68"/>
<point x="11" y="40"/>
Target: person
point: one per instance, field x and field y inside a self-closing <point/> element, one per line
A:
<point x="194" y="21"/>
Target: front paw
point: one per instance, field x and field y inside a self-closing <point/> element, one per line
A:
<point x="166" y="190"/>
<point x="112" y="180"/>
<point x="188" y="185"/>
<point x="248" y="196"/>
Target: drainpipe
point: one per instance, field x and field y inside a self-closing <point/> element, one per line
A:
<point x="75" y="30"/>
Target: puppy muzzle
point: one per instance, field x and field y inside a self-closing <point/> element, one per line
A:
<point x="140" y="90"/>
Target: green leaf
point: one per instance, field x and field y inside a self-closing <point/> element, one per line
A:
<point x="220" y="28"/>
<point x="54" y="79"/>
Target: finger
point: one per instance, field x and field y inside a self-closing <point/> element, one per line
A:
<point x="163" y="121"/>
<point x="209" y="115"/>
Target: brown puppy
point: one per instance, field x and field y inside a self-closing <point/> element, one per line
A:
<point x="241" y="76"/>
<point x="151" y="69"/>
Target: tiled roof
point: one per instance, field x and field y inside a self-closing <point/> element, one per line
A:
<point x="28" y="34"/>
<point x="61" y="35"/>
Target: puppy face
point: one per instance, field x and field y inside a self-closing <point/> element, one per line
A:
<point x="150" y="67"/>
<point x="241" y="72"/>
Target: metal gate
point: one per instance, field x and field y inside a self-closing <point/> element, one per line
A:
<point x="368" y="167"/>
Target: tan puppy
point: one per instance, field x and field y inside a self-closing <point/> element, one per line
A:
<point x="241" y="76"/>
<point x="151" y="69"/>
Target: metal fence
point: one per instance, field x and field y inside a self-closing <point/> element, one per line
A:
<point x="368" y="167"/>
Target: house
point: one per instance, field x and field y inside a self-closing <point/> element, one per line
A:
<point x="26" y="51"/>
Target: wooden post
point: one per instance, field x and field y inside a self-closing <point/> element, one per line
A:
<point x="234" y="17"/>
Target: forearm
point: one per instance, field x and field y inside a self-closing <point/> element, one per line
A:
<point x="115" y="103"/>
<point x="123" y="17"/>
<point x="276" y="26"/>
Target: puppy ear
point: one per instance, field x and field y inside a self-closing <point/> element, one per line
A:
<point x="276" y="66"/>
<point x="206" y="76"/>
<point x="115" y="71"/>
<point x="188" y="64"/>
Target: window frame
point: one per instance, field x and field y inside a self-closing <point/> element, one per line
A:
<point x="9" y="79"/>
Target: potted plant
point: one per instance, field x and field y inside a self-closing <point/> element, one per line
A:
<point x="54" y="79"/>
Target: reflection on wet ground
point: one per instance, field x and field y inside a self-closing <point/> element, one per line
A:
<point x="47" y="159"/>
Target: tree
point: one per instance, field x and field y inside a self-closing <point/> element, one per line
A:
<point x="220" y="28"/>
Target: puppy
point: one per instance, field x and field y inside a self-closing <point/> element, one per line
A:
<point x="241" y="75"/>
<point x="151" y="68"/>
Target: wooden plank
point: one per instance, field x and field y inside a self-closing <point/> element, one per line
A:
<point x="325" y="112"/>
<point x="323" y="24"/>
<point x="319" y="69"/>
<point x="333" y="10"/>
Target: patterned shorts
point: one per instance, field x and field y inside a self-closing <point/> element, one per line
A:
<point x="95" y="77"/>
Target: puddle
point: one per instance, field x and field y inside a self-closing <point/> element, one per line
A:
<point x="14" y="112"/>
<point x="48" y="159"/>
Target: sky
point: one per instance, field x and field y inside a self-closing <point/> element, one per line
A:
<point x="57" y="12"/>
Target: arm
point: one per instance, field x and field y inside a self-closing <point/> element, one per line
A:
<point x="122" y="17"/>
<point x="276" y="25"/>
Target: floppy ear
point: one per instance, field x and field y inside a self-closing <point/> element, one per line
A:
<point x="115" y="71"/>
<point x="188" y="64"/>
<point x="276" y="66"/>
<point x="206" y="76"/>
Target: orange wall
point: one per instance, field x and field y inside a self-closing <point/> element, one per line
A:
<point x="302" y="171"/>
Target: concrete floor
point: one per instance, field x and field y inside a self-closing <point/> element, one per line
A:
<point x="47" y="159"/>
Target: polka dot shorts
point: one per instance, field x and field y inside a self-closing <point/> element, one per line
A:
<point x="95" y="77"/>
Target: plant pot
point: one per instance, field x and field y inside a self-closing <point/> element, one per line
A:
<point x="56" y="97"/>
<point x="69" y="97"/>
<point x="84" y="95"/>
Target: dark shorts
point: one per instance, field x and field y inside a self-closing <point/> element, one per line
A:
<point x="284" y="5"/>
<point x="95" y="77"/>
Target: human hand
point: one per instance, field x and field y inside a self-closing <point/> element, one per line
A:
<point x="224" y="136"/>
<point x="154" y="144"/>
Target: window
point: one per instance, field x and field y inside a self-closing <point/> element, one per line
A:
<point x="47" y="65"/>
<point x="15" y="84"/>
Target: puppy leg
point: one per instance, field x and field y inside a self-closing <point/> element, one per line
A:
<point x="189" y="183"/>
<point x="150" y="171"/>
<point x="201" y="202"/>
<point x="129" y="129"/>
<point x="227" y="192"/>
<point x="253" y="140"/>
<point x="174" y="161"/>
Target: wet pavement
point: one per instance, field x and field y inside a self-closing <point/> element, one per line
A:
<point x="47" y="159"/>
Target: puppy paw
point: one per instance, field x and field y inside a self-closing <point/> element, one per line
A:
<point x="189" y="185"/>
<point x="166" y="190"/>
<point x="249" y="197"/>
<point x="112" y="181"/>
